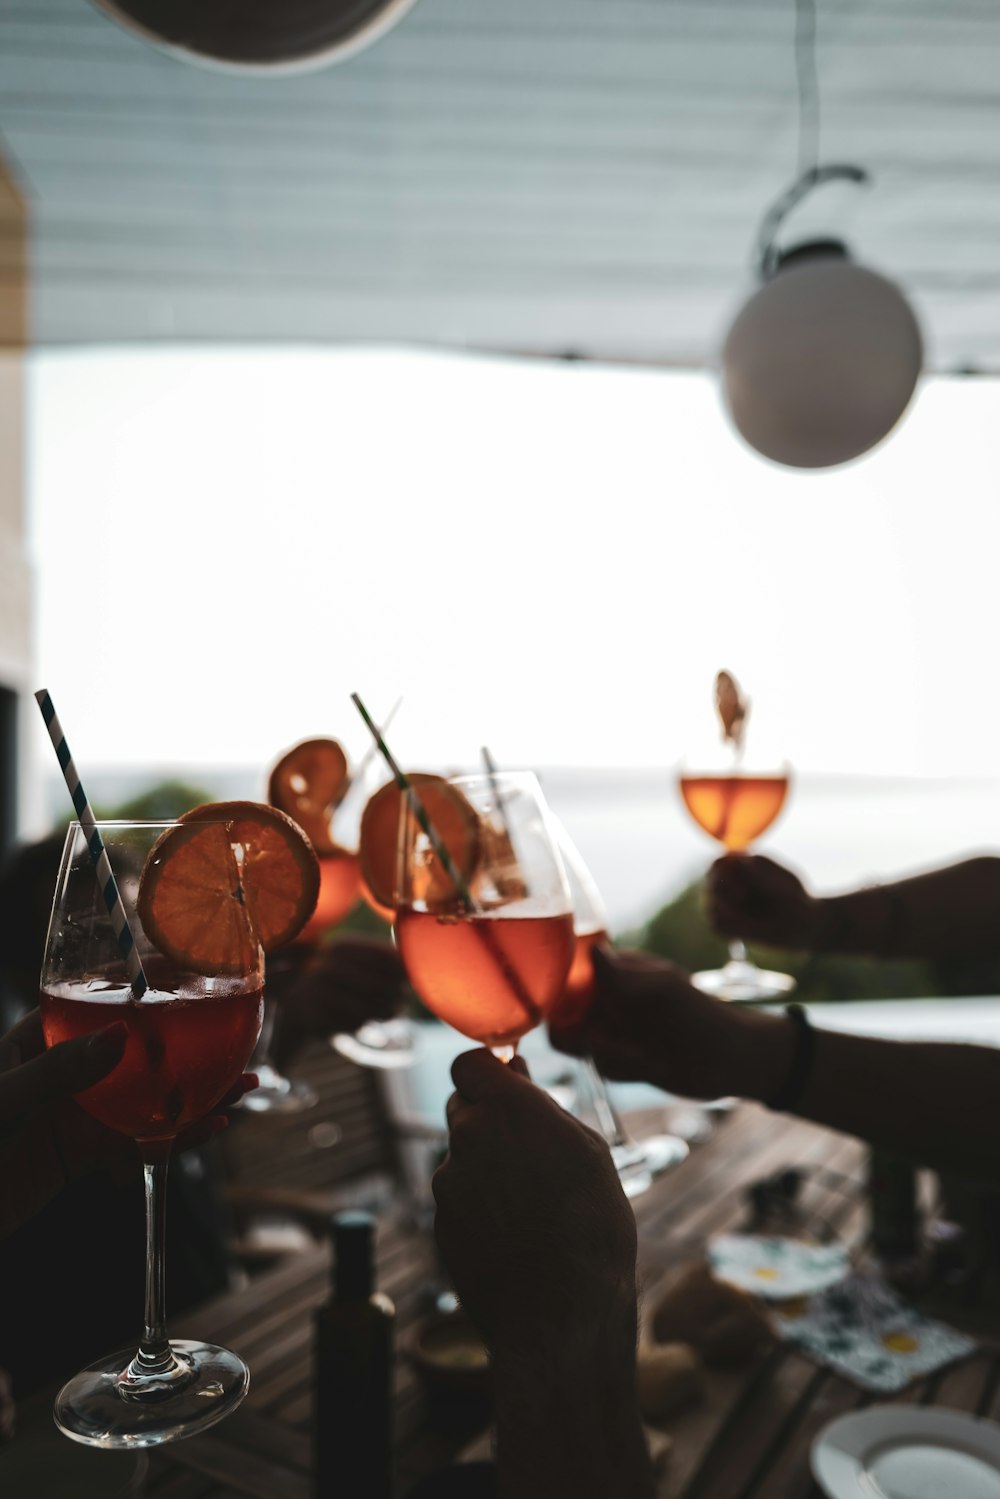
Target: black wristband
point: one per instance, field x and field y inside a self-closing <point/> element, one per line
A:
<point x="797" y="1076"/>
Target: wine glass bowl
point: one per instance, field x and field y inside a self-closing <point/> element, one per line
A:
<point x="734" y="808"/>
<point x="489" y="952"/>
<point x="186" y="1045"/>
<point x="188" y="1039"/>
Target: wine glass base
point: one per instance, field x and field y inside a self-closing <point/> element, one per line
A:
<point x="694" y="1121"/>
<point x="91" y="1409"/>
<point x="743" y="983"/>
<point x="380" y="1043"/>
<point x="640" y="1162"/>
<point x="276" y="1094"/>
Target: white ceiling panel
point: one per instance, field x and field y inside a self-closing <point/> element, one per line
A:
<point x="555" y="176"/>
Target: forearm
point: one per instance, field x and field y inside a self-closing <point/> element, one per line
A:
<point x="951" y="911"/>
<point x="931" y="1102"/>
<point x="568" y="1419"/>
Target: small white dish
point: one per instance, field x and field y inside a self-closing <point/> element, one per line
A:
<point x="776" y="1267"/>
<point x="908" y="1452"/>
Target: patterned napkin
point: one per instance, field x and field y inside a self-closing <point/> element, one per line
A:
<point x="864" y="1331"/>
<point x="774" y="1267"/>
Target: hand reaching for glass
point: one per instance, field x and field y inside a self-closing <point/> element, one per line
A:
<point x="649" y="1023"/>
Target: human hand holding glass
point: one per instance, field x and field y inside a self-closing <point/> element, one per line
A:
<point x="187" y="1041"/>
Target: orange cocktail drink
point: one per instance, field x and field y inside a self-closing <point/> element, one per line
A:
<point x="492" y="978"/>
<point x="735" y="809"/>
<point x="339" y="889"/>
<point x="181" y="1055"/>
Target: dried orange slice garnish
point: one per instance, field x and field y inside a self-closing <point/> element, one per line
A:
<point x="225" y="859"/>
<point x="732" y="707"/>
<point x="453" y="818"/>
<point x="307" y="783"/>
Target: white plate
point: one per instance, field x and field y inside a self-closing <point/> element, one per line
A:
<point x="908" y="1452"/>
<point x="776" y="1267"/>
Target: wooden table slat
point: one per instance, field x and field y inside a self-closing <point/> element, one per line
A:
<point x="766" y="1409"/>
<point x="232" y="1464"/>
<point x="790" y="1476"/>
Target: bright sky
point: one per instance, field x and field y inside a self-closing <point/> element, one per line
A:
<point x="551" y="559"/>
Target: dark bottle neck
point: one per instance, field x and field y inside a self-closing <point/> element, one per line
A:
<point x="353" y="1256"/>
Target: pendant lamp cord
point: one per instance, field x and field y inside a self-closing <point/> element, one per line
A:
<point x="767" y="256"/>
<point x="808" y="85"/>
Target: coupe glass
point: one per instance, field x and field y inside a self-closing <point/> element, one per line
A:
<point x="637" y="1162"/>
<point x="189" y="1039"/>
<point x="490" y="959"/>
<point x="734" y="801"/>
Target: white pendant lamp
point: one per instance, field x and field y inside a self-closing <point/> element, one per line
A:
<point x="823" y="360"/>
<point x="258" y="36"/>
<point x="821" y="363"/>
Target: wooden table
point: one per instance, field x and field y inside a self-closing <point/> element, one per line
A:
<point x="749" y="1439"/>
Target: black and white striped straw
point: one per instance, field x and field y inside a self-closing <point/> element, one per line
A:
<point x="95" y="844"/>
<point x="418" y="809"/>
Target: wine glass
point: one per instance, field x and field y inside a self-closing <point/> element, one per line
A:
<point x="734" y="802"/>
<point x="488" y="952"/>
<point x="637" y="1162"/>
<point x="275" y="1093"/>
<point x="188" y="1040"/>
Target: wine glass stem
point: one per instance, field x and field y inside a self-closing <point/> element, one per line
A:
<point x="738" y="951"/>
<point x="156" y="1370"/>
<point x="154" y="1351"/>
